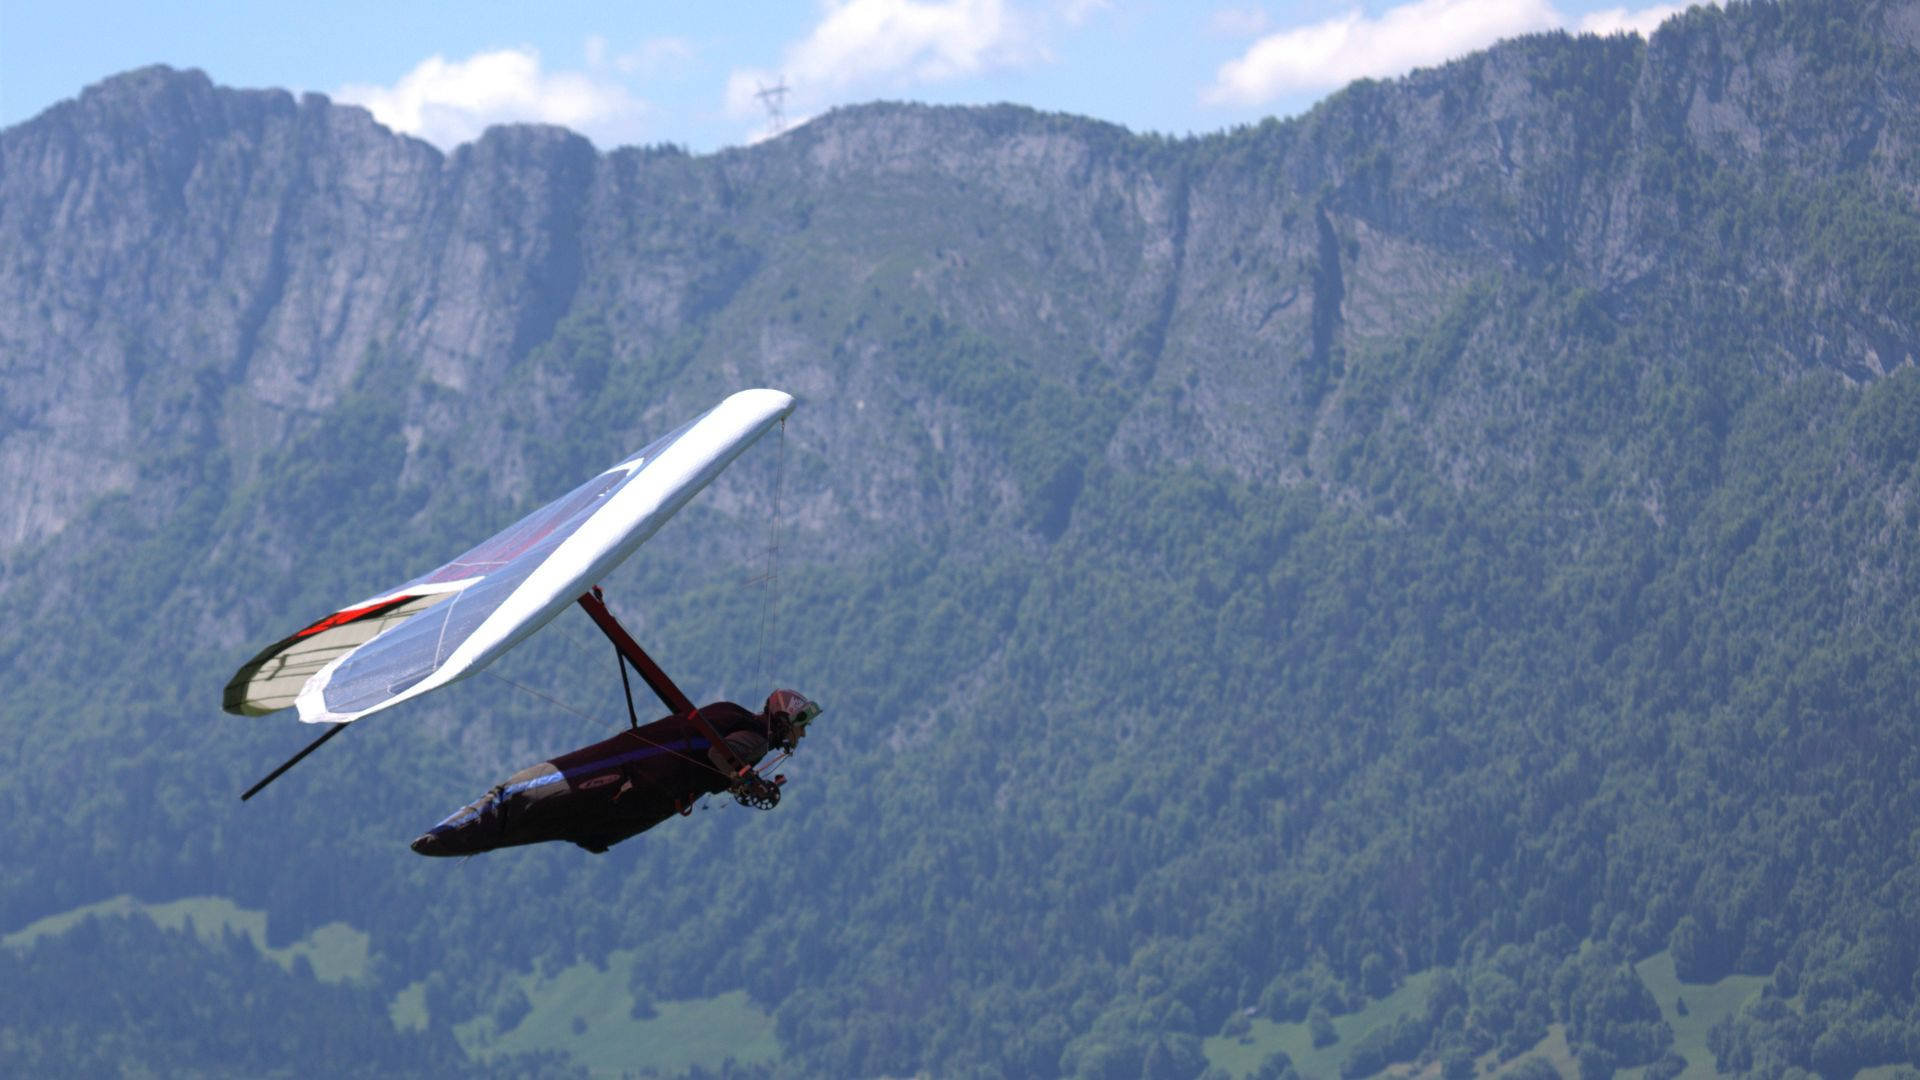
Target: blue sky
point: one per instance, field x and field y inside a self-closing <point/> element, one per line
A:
<point x="686" y="73"/>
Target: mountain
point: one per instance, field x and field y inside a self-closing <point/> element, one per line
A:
<point x="1437" y="572"/>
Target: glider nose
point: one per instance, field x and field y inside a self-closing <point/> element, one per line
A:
<point x="454" y="840"/>
<point x="444" y="839"/>
<point x="467" y="831"/>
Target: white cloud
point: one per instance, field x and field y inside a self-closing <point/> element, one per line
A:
<point x="653" y="57"/>
<point x="451" y="102"/>
<point x="656" y="56"/>
<point x="890" y="45"/>
<point x="1626" y="21"/>
<point x="1336" y="51"/>
<point x="1238" y="21"/>
<point x="1077" y="12"/>
<point x="1353" y="46"/>
<point x="766" y="130"/>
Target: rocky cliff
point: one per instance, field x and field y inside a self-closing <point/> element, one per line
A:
<point x="164" y="238"/>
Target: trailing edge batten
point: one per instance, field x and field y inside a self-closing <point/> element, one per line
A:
<point x="273" y="680"/>
<point x="634" y="499"/>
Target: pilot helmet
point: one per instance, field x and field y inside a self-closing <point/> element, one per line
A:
<point x="788" y="713"/>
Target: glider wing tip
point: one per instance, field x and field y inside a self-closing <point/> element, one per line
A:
<point x="778" y="402"/>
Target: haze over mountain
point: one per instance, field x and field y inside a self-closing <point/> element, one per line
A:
<point x="1412" y="572"/>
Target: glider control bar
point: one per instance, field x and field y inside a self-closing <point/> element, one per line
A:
<point x="670" y="695"/>
<point x="292" y="761"/>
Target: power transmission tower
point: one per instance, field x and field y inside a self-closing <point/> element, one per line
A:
<point x="775" y="99"/>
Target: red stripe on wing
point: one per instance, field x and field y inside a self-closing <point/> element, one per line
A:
<point x="342" y="618"/>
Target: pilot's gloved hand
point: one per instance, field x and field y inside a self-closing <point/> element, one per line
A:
<point x="756" y="792"/>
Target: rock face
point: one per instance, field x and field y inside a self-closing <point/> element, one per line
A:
<point x="1470" y="479"/>
<point x="163" y="240"/>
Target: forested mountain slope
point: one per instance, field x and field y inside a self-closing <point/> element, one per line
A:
<point x="1469" y="527"/>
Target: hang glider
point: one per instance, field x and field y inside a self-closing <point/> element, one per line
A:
<point x="454" y="620"/>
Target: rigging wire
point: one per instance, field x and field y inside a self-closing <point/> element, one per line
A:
<point x="768" y="580"/>
<point x="589" y="652"/>
<point x="626" y="687"/>
<point x="550" y="699"/>
<point x="585" y="649"/>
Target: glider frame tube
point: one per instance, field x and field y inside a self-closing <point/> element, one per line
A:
<point x="291" y="762"/>
<point x="669" y="694"/>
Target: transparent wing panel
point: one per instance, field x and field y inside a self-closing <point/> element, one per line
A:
<point x="393" y="662"/>
<point x="360" y="657"/>
<point x="556" y="519"/>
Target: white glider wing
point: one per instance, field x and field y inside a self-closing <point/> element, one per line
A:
<point x="454" y="621"/>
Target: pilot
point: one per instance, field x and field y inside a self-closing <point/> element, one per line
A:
<point x="780" y="724"/>
<point x="601" y="794"/>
